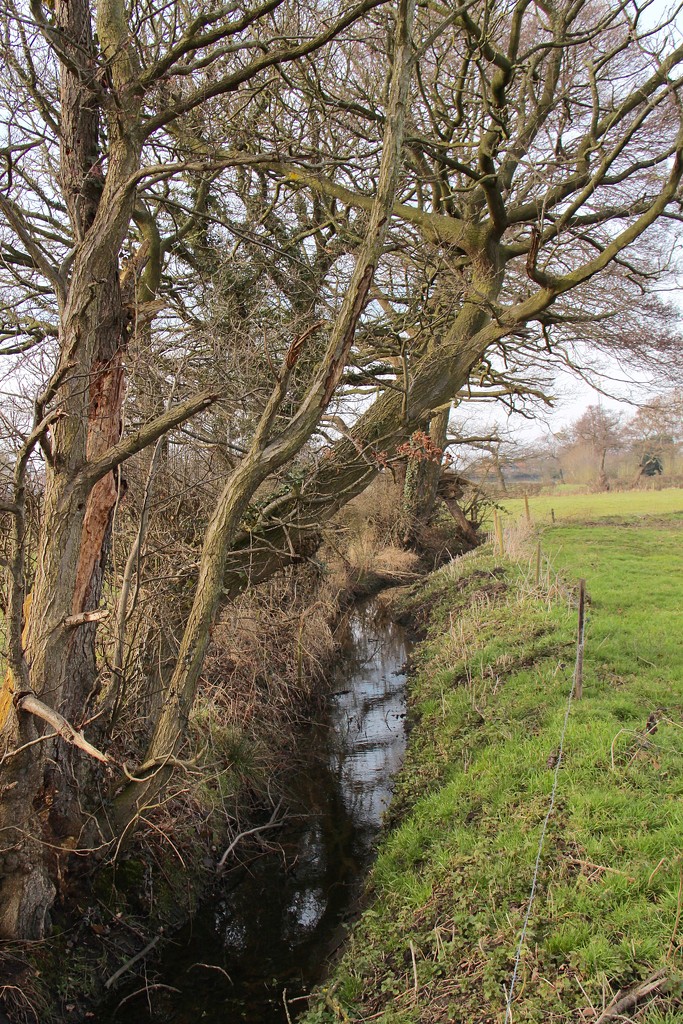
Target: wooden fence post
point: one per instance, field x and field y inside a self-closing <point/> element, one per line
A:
<point x="527" y="509"/>
<point x="578" y="672"/>
<point x="499" y="533"/>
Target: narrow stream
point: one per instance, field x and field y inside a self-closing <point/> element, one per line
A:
<point x="271" y="926"/>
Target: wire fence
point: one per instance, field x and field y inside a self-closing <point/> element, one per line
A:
<point x="576" y="690"/>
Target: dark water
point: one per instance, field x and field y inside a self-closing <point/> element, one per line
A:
<point x="272" y="924"/>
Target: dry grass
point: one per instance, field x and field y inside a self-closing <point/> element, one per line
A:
<point x="368" y="536"/>
<point x="375" y="513"/>
<point x="269" y="651"/>
<point x="396" y="563"/>
<point x="362" y="549"/>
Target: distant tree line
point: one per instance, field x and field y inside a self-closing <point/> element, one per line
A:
<point x="600" y="449"/>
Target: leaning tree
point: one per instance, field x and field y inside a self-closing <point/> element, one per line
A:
<point x="101" y="100"/>
<point x="541" y="180"/>
<point x="542" y="147"/>
<point x="542" y="156"/>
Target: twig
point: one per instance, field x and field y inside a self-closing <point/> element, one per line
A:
<point x="284" y="1003"/>
<point x="163" y="762"/>
<point x="272" y="823"/>
<point x="163" y="834"/>
<point x="412" y="957"/>
<point x="611" y="749"/>
<point x="146" y="989"/>
<point x="213" y="967"/>
<point x="133" y="960"/>
<point x="336" y="1007"/>
<point x="31" y="743"/>
<point x="625" y="1001"/>
<point x="600" y="867"/>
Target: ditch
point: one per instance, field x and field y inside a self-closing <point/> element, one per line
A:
<point x="256" y="948"/>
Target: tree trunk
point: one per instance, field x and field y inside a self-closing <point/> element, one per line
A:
<point x="420" y="490"/>
<point x="349" y="467"/>
<point x="500" y="476"/>
<point x="44" y="811"/>
<point x="603" y="481"/>
<point x="268" y="453"/>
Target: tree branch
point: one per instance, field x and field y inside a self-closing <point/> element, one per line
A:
<point x="146" y="435"/>
<point x="229" y="83"/>
<point x="29" y="702"/>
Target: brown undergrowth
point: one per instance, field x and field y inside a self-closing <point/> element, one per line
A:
<point x="264" y="680"/>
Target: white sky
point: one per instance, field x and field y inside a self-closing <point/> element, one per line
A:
<point x="621" y="390"/>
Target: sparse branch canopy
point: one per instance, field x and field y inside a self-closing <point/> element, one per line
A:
<point x="121" y="123"/>
<point x="540" y="177"/>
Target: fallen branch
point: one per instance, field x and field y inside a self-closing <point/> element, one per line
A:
<point x="624" y="1001"/>
<point x="133" y="960"/>
<point x="271" y="823"/>
<point x="29" y="702"/>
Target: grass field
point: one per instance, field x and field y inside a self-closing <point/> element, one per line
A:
<point x="451" y="884"/>
<point x="607" y="504"/>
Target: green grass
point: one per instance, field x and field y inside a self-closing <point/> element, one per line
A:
<point x="449" y="890"/>
<point x="621" y="504"/>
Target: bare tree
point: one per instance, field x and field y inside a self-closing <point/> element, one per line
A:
<point x="531" y="197"/>
<point x="654" y="434"/>
<point x="602" y="432"/>
<point x="103" y="106"/>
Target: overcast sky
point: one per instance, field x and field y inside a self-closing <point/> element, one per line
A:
<point x="619" y="388"/>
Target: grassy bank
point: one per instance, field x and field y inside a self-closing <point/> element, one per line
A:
<point x="450" y="888"/>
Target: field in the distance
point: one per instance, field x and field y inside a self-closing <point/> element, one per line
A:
<point x="600" y="505"/>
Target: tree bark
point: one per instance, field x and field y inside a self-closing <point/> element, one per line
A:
<point x="44" y="810"/>
<point x="108" y="108"/>
<point x="420" y="490"/>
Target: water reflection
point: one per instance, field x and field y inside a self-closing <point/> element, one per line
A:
<point x="274" y="929"/>
<point x="368" y="717"/>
